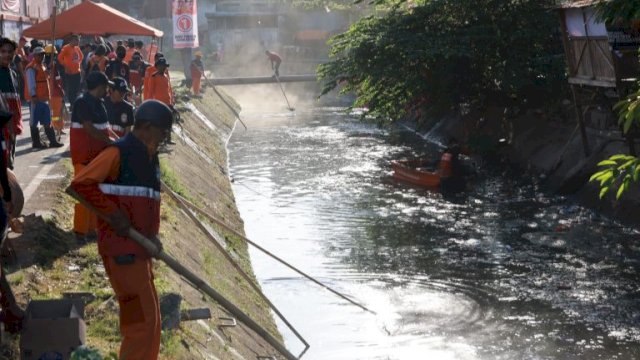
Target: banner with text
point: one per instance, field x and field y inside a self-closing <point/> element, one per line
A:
<point x="185" y="24"/>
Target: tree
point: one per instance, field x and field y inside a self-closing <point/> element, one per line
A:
<point x="620" y="171"/>
<point x="434" y="57"/>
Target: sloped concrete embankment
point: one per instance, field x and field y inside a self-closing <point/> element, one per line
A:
<point x="551" y="151"/>
<point x="555" y="151"/>
<point x="47" y="263"/>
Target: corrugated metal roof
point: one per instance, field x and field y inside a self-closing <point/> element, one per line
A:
<point x="577" y="3"/>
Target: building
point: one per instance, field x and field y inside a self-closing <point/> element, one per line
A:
<point x="602" y="59"/>
<point x="17" y="15"/>
<point x="244" y="26"/>
<point x="598" y="54"/>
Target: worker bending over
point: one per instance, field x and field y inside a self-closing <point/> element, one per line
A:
<point x="123" y="182"/>
<point x="276" y="60"/>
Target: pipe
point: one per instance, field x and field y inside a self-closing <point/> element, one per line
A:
<point x="235" y="112"/>
<point x="231" y="81"/>
<point x="224" y="252"/>
<point x="234" y="232"/>
<point x="284" y="94"/>
<point x="192" y="278"/>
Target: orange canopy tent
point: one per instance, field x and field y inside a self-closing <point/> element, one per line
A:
<point x="89" y="18"/>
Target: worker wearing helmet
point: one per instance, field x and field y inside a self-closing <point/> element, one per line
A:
<point x="123" y="183"/>
<point x="90" y="134"/>
<point x="120" y="111"/>
<point x="149" y="71"/>
<point x="197" y="71"/>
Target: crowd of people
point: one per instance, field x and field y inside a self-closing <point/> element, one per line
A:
<point x="121" y="111"/>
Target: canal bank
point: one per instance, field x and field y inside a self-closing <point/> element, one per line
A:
<point x="548" y="148"/>
<point x="48" y="263"/>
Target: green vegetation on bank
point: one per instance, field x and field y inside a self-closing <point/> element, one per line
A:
<point x="438" y="57"/>
<point x="619" y="171"/>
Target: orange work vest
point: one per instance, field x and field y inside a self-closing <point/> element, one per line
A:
<point x="42" y="82"/>
<point x="100" y="61"/>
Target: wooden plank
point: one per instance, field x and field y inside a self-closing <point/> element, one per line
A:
<point x="605" y="54"/>
<point x="577" y="64"/>
<point x="592" y="82"/>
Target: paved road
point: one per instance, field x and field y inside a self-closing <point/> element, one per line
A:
<point x="38" y="171"/>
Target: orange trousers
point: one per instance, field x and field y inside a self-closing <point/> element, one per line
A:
<point x="57" y="115"/>
<point x="196" y="81"/>
<point x="140" y="323"/>
<point x="84" y="220"/>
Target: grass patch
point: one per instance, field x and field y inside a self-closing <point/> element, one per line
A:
<point x="170" y="178"/>
<point x="170" y="343"/>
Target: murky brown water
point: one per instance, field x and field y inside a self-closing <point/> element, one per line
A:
<point x="482" y="275"/>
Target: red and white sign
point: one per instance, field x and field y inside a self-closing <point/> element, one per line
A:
<point x="185" y="24"/>
<point x="11" y="5"/>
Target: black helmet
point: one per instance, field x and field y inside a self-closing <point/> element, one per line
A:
<point x="155" y="113"/>
<point x="121" y="52"/>
<point x="101" y="50"/>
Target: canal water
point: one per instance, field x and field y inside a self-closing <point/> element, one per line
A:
<point x="502" y="271"/>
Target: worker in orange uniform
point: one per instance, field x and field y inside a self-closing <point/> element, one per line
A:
<point x="70" y="58"/>
<point x="160" y="87"/>
<point x="197" y="71"/>
<point x="147" y="75"/>
<point x="123" y="183"/>
<point x="137" y="68"/>
<point x="99" y="60"/>
<point x="119" y="110"/>
<point x="159" y="84"/>
<point x="38" y="93"/>
<point x="90" y="134"/>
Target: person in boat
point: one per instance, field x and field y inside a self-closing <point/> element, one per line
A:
<point x="449" y="164"/>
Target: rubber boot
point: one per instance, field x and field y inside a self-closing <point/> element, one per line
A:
<point x="35" y="138"/>
<point x="51" y="135"/>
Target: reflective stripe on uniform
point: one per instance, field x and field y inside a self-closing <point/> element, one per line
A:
<point x="126" y="190"/>
<point x="117" y="128"/>
<point x="102" y="126"/>
<point x="13" y="96"/>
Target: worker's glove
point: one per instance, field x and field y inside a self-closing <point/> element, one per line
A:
<point x="120" y="223"/>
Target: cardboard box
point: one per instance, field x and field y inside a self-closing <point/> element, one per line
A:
<point x="52" y="330"/>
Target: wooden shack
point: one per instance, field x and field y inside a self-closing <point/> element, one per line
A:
<point x="598" y="54"/>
